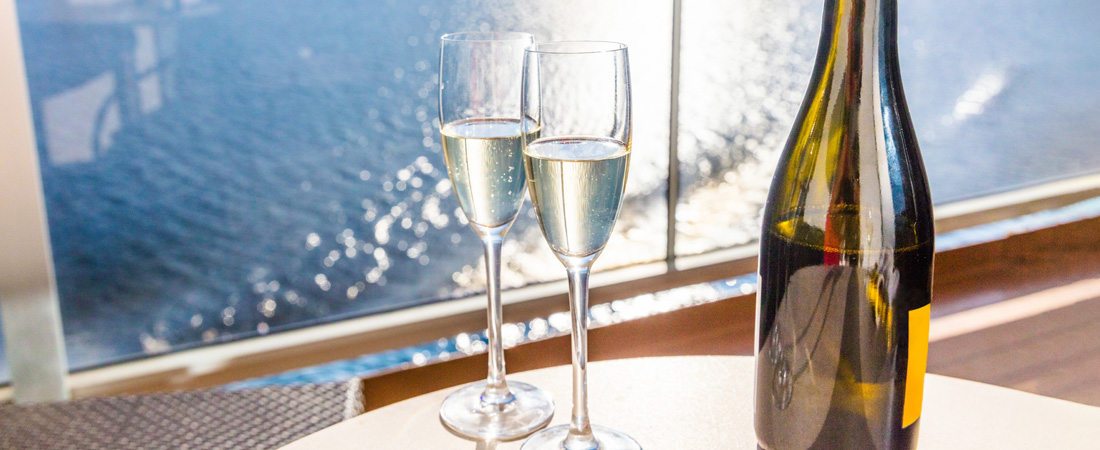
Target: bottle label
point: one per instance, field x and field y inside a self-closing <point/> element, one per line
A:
<point x="918" y="363"/>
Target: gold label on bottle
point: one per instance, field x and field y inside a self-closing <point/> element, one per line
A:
<point x="918" y="364"/>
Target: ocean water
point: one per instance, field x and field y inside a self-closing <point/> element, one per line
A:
<point x="217" y="170"/>
<point x="226" y="169"/>
<point x="1003" y="94"/>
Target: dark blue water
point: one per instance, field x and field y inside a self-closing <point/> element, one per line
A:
<point x="216" y="170"/>
<point x="282" y="134"/>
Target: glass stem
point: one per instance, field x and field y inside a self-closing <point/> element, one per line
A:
<point x="496" y="388"/>
<point x="580" y="429"/>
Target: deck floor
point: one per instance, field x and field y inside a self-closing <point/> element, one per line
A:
<point x="1051" y="348"/>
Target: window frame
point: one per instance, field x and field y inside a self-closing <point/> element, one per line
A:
<point x="28" y="293"/>
<point x="42" y="349"/>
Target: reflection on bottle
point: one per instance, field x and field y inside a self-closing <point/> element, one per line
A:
<point x="783" y="386"/>
<point x="834" y="355"/>
<point x="803" y="376"/>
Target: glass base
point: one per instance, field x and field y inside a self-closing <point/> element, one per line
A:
<point x="464" y="414"/>
<point x="606" y="439"/>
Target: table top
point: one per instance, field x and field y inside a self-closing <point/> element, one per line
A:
<point x="697" y="402"/>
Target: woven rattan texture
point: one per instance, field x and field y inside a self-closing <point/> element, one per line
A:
<point x="214" y="419"/>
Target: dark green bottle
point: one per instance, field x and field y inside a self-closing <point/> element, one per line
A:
<point x="846" y="253"/>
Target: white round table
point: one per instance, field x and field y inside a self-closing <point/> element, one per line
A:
<point x="705" y="402"/>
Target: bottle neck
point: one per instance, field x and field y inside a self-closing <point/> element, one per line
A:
<point x="852" y="147"/>
<point x="858" y="38"/>
<point x="858" y="87"/>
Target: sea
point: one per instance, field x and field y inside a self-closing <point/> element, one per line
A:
<point x="217" y="170"/>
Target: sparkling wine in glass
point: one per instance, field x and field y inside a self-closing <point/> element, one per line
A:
<point x="577" y="96"/>
<point x="479" y="95"/>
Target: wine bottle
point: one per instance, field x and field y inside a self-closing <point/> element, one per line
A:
<point x="846" y="253"/>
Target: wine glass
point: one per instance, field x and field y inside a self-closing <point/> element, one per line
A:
<point x="577" y="96"/>
<point x="479" y="94"/>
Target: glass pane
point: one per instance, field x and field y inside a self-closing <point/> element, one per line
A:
<point x="222" y="169"/>
<point x="1002" y="96"/>
<point x="743" y="69"/>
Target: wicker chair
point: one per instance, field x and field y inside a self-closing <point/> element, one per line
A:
<point x="258" y="418"/>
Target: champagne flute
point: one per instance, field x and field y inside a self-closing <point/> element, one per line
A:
<point x="479" y="94"/>
<point x="577" y="96"/>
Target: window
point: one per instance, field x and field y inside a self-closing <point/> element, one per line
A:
<point x="756" y="57"/>
<point x="217" y="170"/>
<point x="1002" y="96"/>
